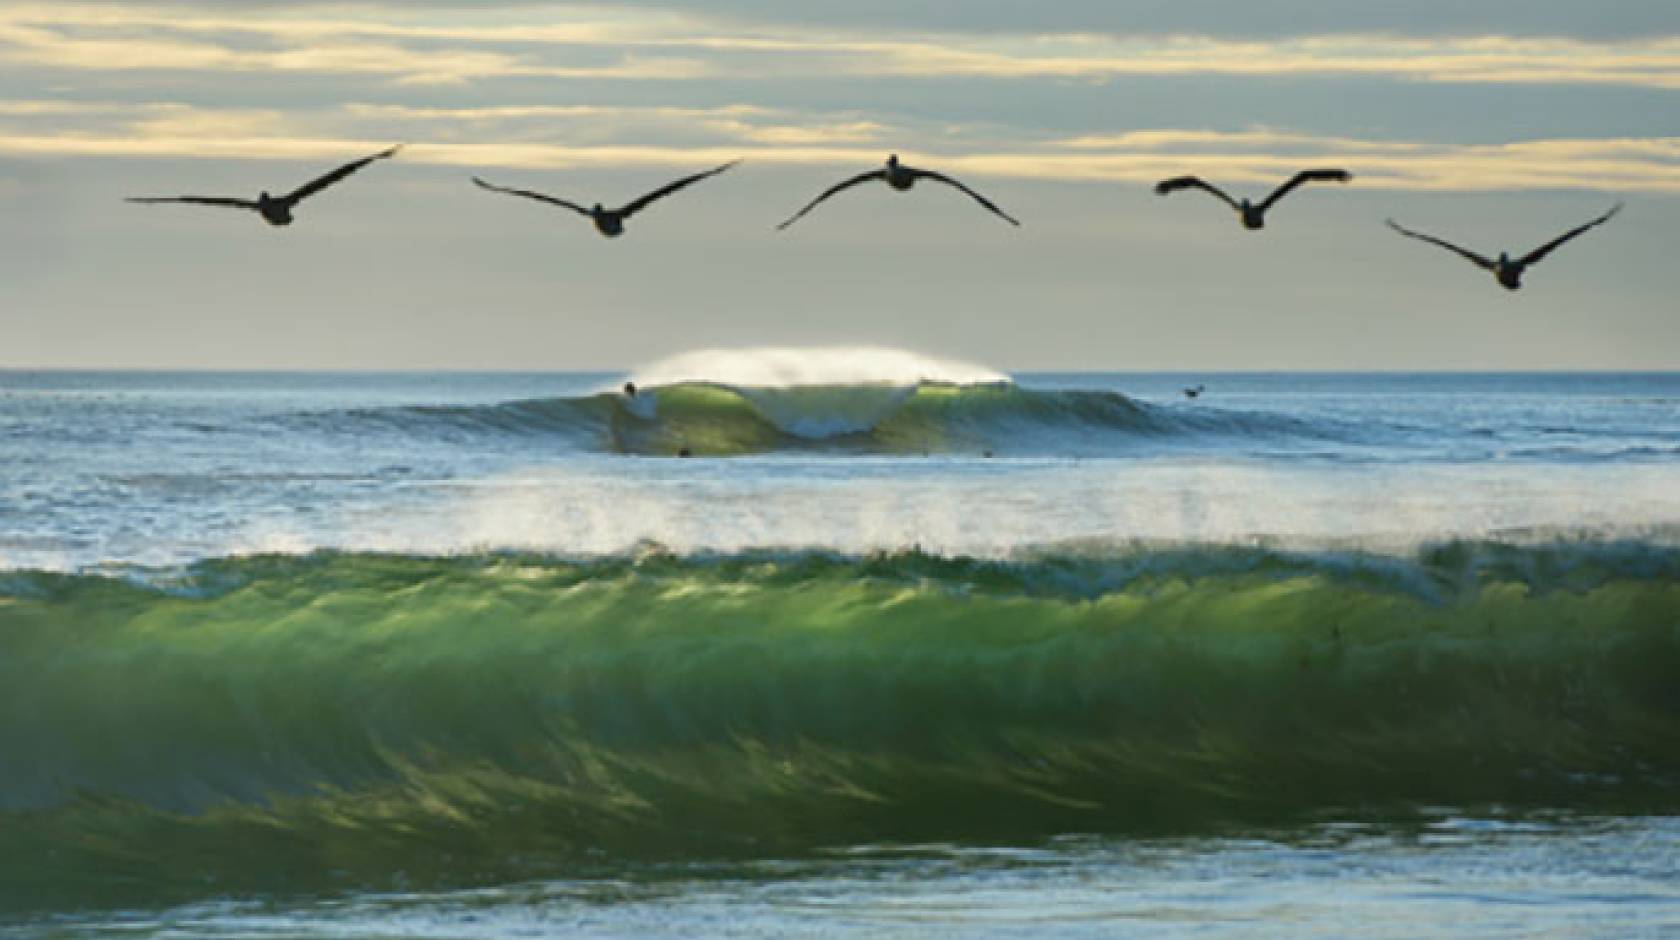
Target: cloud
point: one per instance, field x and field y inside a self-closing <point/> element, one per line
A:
<point x="591" y="42"/>
<point x="739" y="122"/>
<point x="1614" y="18"/>
<point x="562" y="137"/>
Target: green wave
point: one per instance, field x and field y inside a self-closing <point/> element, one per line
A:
<point x="713" y="420"/>
<point x="305" y="723"/>
<point x="719" y="420"/>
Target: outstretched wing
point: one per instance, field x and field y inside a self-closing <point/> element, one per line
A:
<point x="1305" y="176"/>
<point x="314" y="186"/>
<point x="1547" y="248"/>
<point x="929" y="174"/>
<point x="1192" y="182"/>
<point x="669" y="188"/>
<point x="199" y="201"/>
<point x="837" y="187"/>
<point x="1470" y="256"/>
<point x="528" y="194"/>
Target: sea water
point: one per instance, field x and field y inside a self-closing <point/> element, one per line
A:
<point x="904" y="647"/>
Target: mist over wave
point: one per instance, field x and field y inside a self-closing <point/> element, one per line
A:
<point x="791" y="367"/>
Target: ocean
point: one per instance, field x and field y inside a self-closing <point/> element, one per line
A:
<point x="839" y="643"/>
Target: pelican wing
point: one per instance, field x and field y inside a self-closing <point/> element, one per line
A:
<point x="1193" y="182"/>
<point x="316" y="185"/>
<point x="224" y="202"/>
<point x="528" y="194"/>
<point x="929" y="174"/>
<point x="669" y="188"/>
<point x="1305" y="176"/>
<point x="837" y="187"/>
<point x="1472" y="257"/>
<point x="1548" y="247"/>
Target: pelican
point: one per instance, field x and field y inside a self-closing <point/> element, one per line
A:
<point x="276" y="210"/>
<point x="609" y="222"/>
<point x="1506" y="270"/>
<point x="1253" y="216"/>
<point x="1195" y="391"/>
<point x="901" y="178"/>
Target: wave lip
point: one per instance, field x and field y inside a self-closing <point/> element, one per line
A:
<point x="372" y="720"/>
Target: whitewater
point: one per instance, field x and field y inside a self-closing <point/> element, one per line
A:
<point x="838" y="641"/>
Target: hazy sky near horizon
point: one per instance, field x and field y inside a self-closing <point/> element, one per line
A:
<point x="1497" y="124"/>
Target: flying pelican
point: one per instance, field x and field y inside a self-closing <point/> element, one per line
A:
<point x="901" y="178"/>
<point x="1195" y="391"/>
<point x="275" y="210"/>
<point x="1508" y="271"/>
<point x="1253" y="216"/>
<point x="610" y="222"/>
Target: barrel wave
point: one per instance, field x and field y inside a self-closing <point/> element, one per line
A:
<point x="926" y="418"/>
<point x="343" y="720"/>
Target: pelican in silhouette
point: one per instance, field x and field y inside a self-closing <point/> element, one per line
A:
<point x="1253" y="216"/>
<point x="1506" y="270"/>
<point x="901" y="178"/>
<point x="275" y="210"/>
<point x="1195" y="391"/>
<point x="609" y="222"/>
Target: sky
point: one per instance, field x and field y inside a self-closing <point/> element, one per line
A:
<point x="1497" y="125"/>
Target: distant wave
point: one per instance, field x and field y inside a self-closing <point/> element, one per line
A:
<point x="371" y="720"/>
<point x="714" y="419"/>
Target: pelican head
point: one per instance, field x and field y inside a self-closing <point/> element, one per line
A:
<point x="597" y="209"/>
<point x="1504" y="259"/>
<point x="892" y="162"/>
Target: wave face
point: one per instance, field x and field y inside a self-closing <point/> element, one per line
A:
<point x="710" y="419"/>
<point x="317" y="722"/>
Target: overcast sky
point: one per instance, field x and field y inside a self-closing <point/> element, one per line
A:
<point x="1495" y="124"/>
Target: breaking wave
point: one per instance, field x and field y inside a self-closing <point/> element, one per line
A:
<point x="719" y="403"/>
<point x="708" y="419"/>
<point x="359" y="720"/>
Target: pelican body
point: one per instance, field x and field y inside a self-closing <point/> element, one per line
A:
<point x="1508" y="271"/>
<point x="900" y="177"/>
<point x="275" y="210"/>
<point x="1253" y="215"/>
<point x="609" y="222"/>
